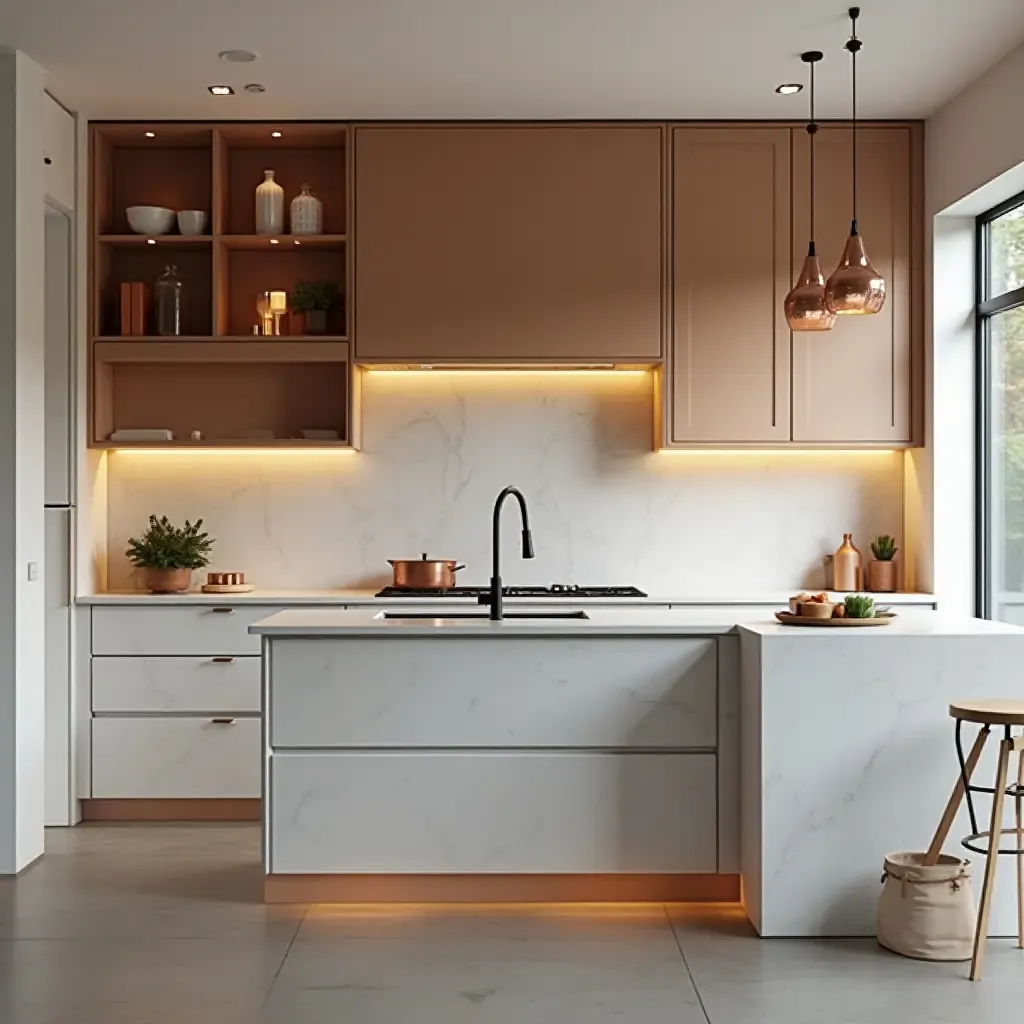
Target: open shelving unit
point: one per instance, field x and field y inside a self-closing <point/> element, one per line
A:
<point x="236" y="388"/>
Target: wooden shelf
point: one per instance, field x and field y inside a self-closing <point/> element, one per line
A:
<point x="298" y="444"/>
<point x="218" y="377"/>
<point x="282" y="241"/>
<point x="175" y="241"/>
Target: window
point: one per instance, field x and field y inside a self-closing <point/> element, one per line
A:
<point x="1000" y="320"/>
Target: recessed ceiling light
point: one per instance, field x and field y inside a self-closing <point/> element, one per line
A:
<point x="275" y="135"/>
<point x="238" y="56"/>
<point x="255" y="87"/>
<point x="151" y="241"/>
<point x="273" y="241"/>
<point x="150" y="135"/>
<point x="221" y="90"/>
<point x="788" y="88"/>
<point x="297" y="242"/>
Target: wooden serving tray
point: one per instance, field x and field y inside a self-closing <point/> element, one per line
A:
<point x="228" y="588"/>
<point x="789" y="619"/>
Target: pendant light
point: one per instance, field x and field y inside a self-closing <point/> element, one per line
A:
<point x="805" y="305"/>
<point x="855" y="286"/>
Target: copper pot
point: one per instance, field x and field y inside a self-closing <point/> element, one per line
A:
<point x="424" y="573"/>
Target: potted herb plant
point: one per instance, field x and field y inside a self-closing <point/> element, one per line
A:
<point x="167" y="554"/>
<point x="314" y="300"/>
<point x="882" y="571"/>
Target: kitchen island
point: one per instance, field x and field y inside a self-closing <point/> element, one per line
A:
<point x="632" y="754"/>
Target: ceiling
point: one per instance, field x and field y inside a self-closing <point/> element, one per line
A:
<point x="342" y="59"/>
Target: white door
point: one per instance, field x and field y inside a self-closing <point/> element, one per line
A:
<point x="57" y="662"/>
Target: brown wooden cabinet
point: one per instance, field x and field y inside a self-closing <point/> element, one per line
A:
<point x="728" y="371"/>
<point x="860" y="384"/>
<point x="508" y="243"/>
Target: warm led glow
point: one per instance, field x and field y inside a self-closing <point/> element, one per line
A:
<point x="273" y="241"/>
<point x="278" y="302"/>
<point x="275" y="135"/>
<point x="231" y="453"/>
<point x="151" y="241"/>
<point x="220" y="90"/>
<point x="760" y="452"/>
<point x="556" y="371"/>
<point x="150" y="135"/>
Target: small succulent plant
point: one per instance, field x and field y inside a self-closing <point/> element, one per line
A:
<point x="859" y="606"/>
<point x="884" y="548"/>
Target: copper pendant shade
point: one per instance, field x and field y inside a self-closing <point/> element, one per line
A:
<point x="805" y="306"/>
<point x="855" y="287"/>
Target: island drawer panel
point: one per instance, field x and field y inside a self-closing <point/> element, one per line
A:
<point x="185" y="629"/>
<point x="566" y="692"/>
<point x="181" y="684"/>
<point x="492" y="812"/>
<point x="175" y="757"/>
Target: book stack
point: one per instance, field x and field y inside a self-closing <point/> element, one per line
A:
<point x="135" y="302"/>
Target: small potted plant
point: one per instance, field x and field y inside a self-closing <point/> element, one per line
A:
<point x="858" y="606"/>
<point x="314" y="300"/>
<point x="167" y="554"/>
<point x="882" y="571"/>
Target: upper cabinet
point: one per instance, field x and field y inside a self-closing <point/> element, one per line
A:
<point x="508" y="243"/>
<point x="727" y="377"/>
<point x="860" y="383"/>
<point x="58" y="153"/>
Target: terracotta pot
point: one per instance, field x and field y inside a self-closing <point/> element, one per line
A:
<point x="166" y="581"/>
<point x="882" y="576"/>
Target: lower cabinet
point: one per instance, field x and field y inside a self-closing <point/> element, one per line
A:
<point x="492" y="812"/>
<point x="170" y="757"/>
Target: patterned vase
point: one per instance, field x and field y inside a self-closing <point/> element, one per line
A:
<point x="307" y="213"/>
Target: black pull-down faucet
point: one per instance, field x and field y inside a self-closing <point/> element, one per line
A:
<point x="495" y="599"/>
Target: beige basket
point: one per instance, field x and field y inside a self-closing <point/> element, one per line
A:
<point x="927" y="912"/>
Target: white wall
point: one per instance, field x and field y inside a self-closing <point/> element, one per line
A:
<point x="439" y="446"/>
<point x="974" y="159"/>
<point x="22" y="711"/>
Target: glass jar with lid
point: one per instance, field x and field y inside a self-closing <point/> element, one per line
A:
<point x="167" y="294"/>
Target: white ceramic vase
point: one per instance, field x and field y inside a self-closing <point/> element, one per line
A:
<point x="307" y="213"/>
<point x="269" y="206"/>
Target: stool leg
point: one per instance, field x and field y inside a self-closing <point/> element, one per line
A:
<point x="995" y="833"/>
<point x="1019" y="808"/>
<point x="955" y="799"/>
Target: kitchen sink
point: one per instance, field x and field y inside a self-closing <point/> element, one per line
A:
<point x="484" y="615"/>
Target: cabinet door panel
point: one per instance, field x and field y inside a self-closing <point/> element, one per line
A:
<point x="508" y="243"/>
<point x="853" y="384"/>
<point x="731" y="246"/>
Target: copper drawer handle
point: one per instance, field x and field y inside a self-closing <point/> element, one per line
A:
<point x="223" y="611"/>
<point x="222" y="721"/>
<point x="223" y="661"/>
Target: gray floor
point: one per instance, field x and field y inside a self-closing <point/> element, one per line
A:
<point x="153" y="925"/>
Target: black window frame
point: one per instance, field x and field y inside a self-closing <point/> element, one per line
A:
<point x="985" y="308"/>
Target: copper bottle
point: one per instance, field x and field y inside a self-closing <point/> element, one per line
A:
<point x="846" y="566"/>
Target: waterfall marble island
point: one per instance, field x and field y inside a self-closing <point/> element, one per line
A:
<point x="629" y="754"/>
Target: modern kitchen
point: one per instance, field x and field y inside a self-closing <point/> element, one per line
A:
<point x="510" y="532"/>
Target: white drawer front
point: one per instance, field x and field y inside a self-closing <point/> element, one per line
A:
<point x="214" y="683"/>
<point x="493" y="812"/>
<point x="175" y="757"/>
<point x="618" y="692"/>
<point x="189" y="629"/>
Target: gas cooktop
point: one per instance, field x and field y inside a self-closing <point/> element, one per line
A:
<point x="571" y="590"/>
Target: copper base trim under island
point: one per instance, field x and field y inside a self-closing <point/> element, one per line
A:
<point x="208" y="809"/>
<point x="483" y="888"/>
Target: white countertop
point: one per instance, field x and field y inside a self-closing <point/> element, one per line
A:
<point x="358" y="597"/>
<point x="604" y="622"/>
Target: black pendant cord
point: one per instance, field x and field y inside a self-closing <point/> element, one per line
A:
<point x="812" y="130"/>
<point x="853" y="45"/>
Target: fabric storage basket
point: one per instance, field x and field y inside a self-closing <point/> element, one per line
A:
<point x="927" y="912"/>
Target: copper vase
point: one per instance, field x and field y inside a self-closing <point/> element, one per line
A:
<point x="855" y="286"/>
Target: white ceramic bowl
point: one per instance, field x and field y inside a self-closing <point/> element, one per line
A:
<point x="150" y="220"/>
<point x="192" y="222"/>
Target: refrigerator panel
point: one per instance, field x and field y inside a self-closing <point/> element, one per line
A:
<point x="57" y="665"/>
<point x="59" y="429"/>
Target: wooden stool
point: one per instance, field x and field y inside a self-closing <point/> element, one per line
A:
<point x="987" y="713"/>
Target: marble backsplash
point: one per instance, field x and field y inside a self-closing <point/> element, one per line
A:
<point x="437" y="447"/>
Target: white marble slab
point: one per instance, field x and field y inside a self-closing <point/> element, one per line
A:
<point x="847" y="754"/>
